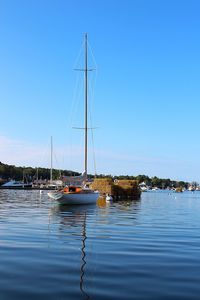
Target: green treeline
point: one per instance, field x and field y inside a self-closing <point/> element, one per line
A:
<point x="8" y="172"/>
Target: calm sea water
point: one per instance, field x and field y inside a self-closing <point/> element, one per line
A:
<point x="146" y="249"/>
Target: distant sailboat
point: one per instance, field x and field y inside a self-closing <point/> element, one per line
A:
<point x="53" y="184"/>
<point x="72" y="194"/>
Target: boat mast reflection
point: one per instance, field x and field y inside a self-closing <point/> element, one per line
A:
<point x="73" y="217"/>
<point x="83" y="258"/>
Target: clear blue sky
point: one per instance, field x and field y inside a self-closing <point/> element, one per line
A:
<point x="147" y="90"/>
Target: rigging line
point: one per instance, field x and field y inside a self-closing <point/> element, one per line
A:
<point x="74" y="108"/>
<point x="55" y="157"/>
<point x="93" y="78"/>
<point x="79" y="54"/>
<point x="92" y="89"/>
<point x="94" y="158"/>
<point x="79" y="102"/>
<point x="92" y="55"/>
<point x="80" y="140"/>
<point x="44" y="155"/>
<point x="74" y="103"/>
<point x="92" y="136"/>
<point x="76" y="93"/>
<point x="76" y="64"/>
<point x="76" y="84"/>
<point x="92" y="84"/>
<point x="91" y="103"/>
<point x="58" y="164"/>
<point x="76" y="100"/>
<point x="78" y="105"/>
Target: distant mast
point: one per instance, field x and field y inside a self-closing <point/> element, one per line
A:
<point x="51" y="160"/>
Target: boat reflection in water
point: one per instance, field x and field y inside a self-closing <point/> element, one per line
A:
<point x="87" y="230"/>
<point x="73" y="221"/>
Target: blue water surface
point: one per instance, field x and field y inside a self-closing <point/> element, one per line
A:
<point x="145" y="249"/>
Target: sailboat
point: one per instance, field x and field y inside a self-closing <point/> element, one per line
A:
<point x="79" y="194"/>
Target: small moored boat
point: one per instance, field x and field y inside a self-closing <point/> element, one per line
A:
<point x="12" y="184"/>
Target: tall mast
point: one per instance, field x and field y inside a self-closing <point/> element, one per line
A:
<point x="86" y="105"/>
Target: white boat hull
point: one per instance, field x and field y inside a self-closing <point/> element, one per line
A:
<point x="75" y="198"/>
<point x="16" y="184"/>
